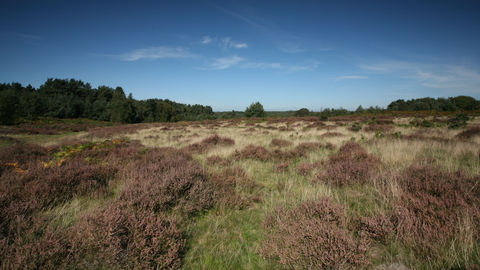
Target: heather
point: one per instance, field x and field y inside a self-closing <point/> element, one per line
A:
<point x="274" y="193"/>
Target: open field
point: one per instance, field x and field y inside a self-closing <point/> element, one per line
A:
<point x="357" y="192"/>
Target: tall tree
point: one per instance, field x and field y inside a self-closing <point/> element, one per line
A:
<point x="255" y="110"/>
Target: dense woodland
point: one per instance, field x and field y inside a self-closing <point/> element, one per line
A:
<point x="70" y="98"/>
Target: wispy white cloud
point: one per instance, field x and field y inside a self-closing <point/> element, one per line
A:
<point x="224" y="63"/>
<point x="157" y="52"/>
<point x="27" y="36"/>
<point x="262" y="65"/>
<point x="225" y="42"/>
<point x="205" y="40"/>
<point x="306" y="66"/>
<point x="433" y="75"/>
<point x="238" y="45"/>
<point x="284" y="41"/>
<point x="349" y="77"/>
<point x="289" y="47"/>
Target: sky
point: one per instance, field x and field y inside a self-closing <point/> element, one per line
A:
<point x="285" y="54"/>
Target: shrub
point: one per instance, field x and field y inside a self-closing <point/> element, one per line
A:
<point x="427" y="215"/>
<point x="209" y="143"/>
<point x="352" y="164"/>
<point x="216" y="160"/>
<point x="460" y="120"/>
<point x="469" y="133"/>
<point x="314" y="235"/>
<point x="118" y="238"/>
<point x="379" y="127"/>
<point x="280" y="143"/>
<point x="167" y="179"/>
<point x="233" y="186"/>
<point x="253" y="152"/>
<point x="307" y="168"/>
<point x="281" y="168"/>
<point x="331" y="134"/>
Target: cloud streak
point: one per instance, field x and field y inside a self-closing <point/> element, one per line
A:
<point x="432" y="75"/>
<point x="349" y="77"/>
<point x="285" y="41"/>
<point x="224" y="63"/>
<point x="153" y="53"/>
<point x="225" y="42"/>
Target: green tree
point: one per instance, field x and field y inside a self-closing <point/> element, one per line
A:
<point x="302" y="112"/>
<point x="8" y="107"/>
<point x="255" y="110"/>
<point x="122" y="110"/>
<point x="360" y="110"/>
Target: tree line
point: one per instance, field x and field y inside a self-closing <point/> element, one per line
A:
<point x="70" y="98"/>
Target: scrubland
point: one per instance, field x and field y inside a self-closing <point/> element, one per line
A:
<point x="357" y="192"/>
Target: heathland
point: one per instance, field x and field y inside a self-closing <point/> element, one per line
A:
<point x="396" y="191"/>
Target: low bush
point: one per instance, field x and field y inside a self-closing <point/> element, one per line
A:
<point x="216" y="160"/>
<point x="118" y="238"/>
<point x="351" y="165"/>
<point x="314" y="235"/>
<point x="166" y="179"/>
<point x="234" y="187"/>
<point x="436" y="210"/>
<point x="469" y="133"/>
<point x="209" y="143"/>
<point x="307" y="168"/>
<point x="379" y="127"/>
<point x="280" y="143"/>
<point x="252" y="152"/>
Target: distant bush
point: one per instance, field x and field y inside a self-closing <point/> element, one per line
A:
<point x="253" y="152"/>
<point x="209" y="143"/>
<point x="460" y="120"/>
<point x="469" y="133"/>
<point x="280" y="143"/>
<point x="302" y="112"/>
<point x="216" y="160"/>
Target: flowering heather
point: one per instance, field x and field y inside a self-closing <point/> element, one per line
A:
<point x="314" y="235"/>
<point x="209" y="143"/>
<point x="352" y="164"/>
<point x="280" y="143"/>
<point x="431" y="212"/>
<point x="469" y="133"/>
<point x="119" y="238"/>
<point x="166" y="179"/>
<point x="253" y="152"/>
<point x="216" y="160"/>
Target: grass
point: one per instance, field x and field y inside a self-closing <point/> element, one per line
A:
<point x="232" y="233"/>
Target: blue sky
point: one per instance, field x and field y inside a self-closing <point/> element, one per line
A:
<point x="227" y="54"/>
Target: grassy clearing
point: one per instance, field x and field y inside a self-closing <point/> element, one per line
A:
<point x="386" y="190"/>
